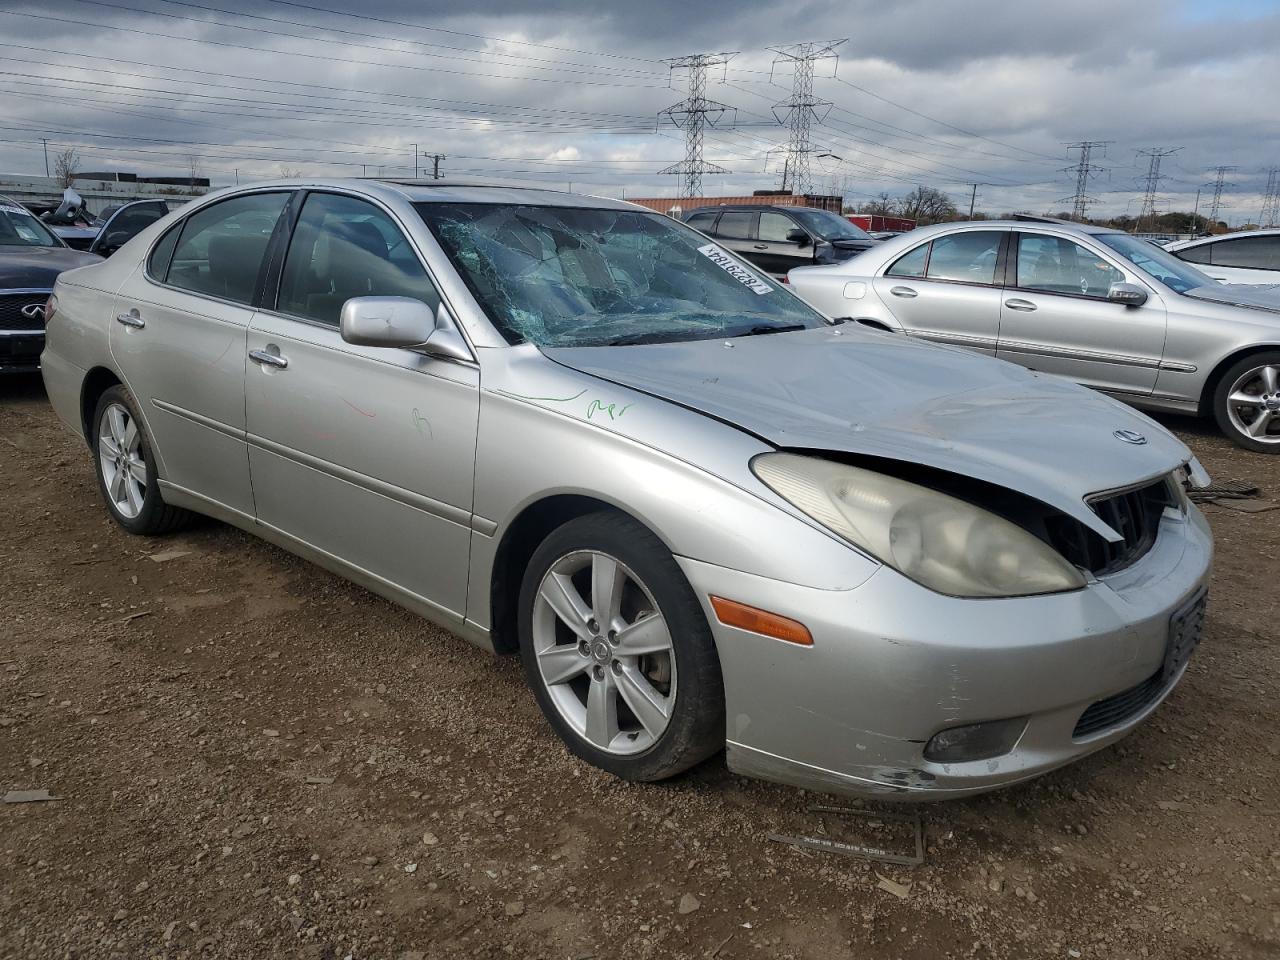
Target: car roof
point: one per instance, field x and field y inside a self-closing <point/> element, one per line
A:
<point x="1214" y="238"/>
<point x="464" y="191"/>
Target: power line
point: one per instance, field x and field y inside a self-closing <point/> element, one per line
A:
<point x="1152" y="181"/>
<point x="1083" y="169"/>
<point x="801" y="108"/>
<point x="694" y="114"/>
<point x="1219" y="184"/>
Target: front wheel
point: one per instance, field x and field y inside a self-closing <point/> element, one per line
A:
<point x="1246" y="402"/>
<point x="618" y="651"/>
<point x="126" y="469"/>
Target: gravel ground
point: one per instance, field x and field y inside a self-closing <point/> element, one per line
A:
<point x="257" y="759"/>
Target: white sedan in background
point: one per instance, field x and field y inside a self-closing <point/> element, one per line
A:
<point x="1251" y="256"/>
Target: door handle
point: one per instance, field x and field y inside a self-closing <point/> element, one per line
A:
<point x="905" y="292"/>
<point x="131" y="319"/>
<point x="759" y="246"/>
<point x="268" y="358"/>
<point x="1017" y="303"/>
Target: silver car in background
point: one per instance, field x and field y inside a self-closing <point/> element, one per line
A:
<point x="703" y="515"/>
<point x="1249" y="256"/>
<point x="1103" y="308"/>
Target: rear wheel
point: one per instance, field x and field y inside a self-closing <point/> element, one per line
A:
<point x="126" y="469"/>
<point x="618" y="651"/>
<point x="1246" y="402"/>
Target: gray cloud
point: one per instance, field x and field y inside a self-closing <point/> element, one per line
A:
<point x="584" y="84"/>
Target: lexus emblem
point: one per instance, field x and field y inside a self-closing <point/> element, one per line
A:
<point x="33" y="311"/>
<point x="1130" y="436"/>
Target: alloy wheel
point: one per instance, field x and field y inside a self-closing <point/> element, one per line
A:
<point x="1253" y="404"/>
<point x="124" y="471"/>
<point x="604" y="652"/>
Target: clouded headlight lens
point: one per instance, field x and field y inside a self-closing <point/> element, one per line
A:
<point x="943" y="543"/>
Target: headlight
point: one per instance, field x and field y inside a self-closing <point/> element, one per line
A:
<point x="943" y="543"/>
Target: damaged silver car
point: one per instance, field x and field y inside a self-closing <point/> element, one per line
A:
<point x="703" y="515"/>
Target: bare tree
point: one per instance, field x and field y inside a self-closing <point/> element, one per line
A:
<point x="289" y="173"/>
<point x="66" y="166"/>
<point x="195" y="167"/>
<point x="927" y="205"/>
<point x="882" y="206"/>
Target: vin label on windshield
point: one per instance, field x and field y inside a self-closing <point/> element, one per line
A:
<point x="739" y="273"/>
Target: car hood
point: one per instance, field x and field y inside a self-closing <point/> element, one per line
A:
<point x="883" y="395"/>
<point x="37" y="267"/>
<point x="1254" y="296"/>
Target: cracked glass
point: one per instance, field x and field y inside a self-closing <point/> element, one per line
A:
<point x="574" y="277"/>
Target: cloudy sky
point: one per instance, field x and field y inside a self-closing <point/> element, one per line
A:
<point x="937" y="92"/>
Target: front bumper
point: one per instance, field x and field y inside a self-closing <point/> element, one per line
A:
<point x="20" y="351"/>
<point x="892" y="663"/>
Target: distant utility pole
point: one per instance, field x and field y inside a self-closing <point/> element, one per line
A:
<point x="1219" y="184"/>
<point x="973" y="195"/>
<point x="800" y="109"/>
<point x="435" y="159"/>
<point x="694" y="113"/>
<point x="1270" y="215"/>
<point x="1152" y="181"/>
<point x="415" y="161"/>
<point x="1084" y="168"/>
<point x="45" y="141"/>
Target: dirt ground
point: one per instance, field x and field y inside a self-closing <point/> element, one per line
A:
<point x="257" y="759"/>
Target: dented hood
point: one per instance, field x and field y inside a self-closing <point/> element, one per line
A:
<point x="883" y="395"/>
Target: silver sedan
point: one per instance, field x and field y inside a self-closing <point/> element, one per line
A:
<point x="703" y="515"/>
<point x="1103" y="308"/>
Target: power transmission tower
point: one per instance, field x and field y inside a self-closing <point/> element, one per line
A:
<point x="1270" y="215"/>
<point x="1219" y="184"/>
<point x="695" y="113"/>
<point x="1083" y="168"/>
<point x="1152" y="181"/>
<point x="800" y="109"/>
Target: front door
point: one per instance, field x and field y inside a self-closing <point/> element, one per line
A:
<point x="366" y="454"/>
<point x="948" y="290"/>
<point x="178" y="337"/>
<point x="1056" y="317"/>
<point x="775" y="252"/>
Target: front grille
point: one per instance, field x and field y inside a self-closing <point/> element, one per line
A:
<point x="1119" y="708"/>
<point x="11" y="305"/>
<point x="1134" y="514"/>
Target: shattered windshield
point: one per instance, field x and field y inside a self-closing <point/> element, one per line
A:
<point x="576" y="277"/>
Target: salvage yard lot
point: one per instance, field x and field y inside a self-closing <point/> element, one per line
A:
<point x="259" y="759"/>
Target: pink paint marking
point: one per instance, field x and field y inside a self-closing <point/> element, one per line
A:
<point x="363" y="413"/>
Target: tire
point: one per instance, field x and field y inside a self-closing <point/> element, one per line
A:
<point x="1257" y="375"/>
<point x="679" y="685"/>
<point x="126" y="470"/>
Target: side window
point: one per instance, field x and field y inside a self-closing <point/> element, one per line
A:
<point x="702" y="221"/>
<point x="1256" y="253"/>
<point x="222" y="246"/>
<point x="1199" y="254"/>
<point x="343" y="248"/>
<point x="135" y="218"/>
<point x="1057" y="265"/>
<point x="774" y="227"/>
<point x="162" y="253"/>
<point x="910" y="264"/>
<point x="968" y="257"/>
<point x="735" y="225"/>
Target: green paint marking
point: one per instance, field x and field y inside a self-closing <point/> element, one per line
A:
<point x="612" y="409"/>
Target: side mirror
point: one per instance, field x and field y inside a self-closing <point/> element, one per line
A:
<point x="402" y="322"/>
<point x="796" y="235"/>
<point x="1130" y="294"/>
<point x="107" y="245"/>
<point x="387" y="322"/>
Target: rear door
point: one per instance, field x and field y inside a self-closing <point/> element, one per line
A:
<point x="736" y="231"/>
<point x="1056" y="317"/>
<point x="178" y="339"/>
<point x="948" y="289"/>
<point x="366" y="454"/>
<point x="774" y="251"/>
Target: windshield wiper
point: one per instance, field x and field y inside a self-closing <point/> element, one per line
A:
<point x="764" y="328"/>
